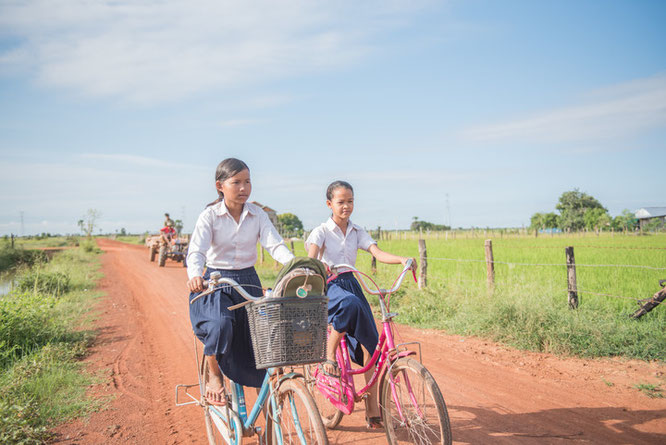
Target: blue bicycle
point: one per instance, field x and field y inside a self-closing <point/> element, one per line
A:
<point x="283" y="331"/>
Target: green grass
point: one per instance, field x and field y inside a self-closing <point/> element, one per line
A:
<point x="132" y="239"/>
<point x="528" y="308"/>
<point x="37" y="242"/>
<point x="44" y="331"/>
<point x="650" y="390"/>
<point x="13" y="259"/>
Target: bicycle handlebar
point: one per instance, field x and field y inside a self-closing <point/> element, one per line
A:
<point x="398" y="282"/>
<point x="216" y="280"/>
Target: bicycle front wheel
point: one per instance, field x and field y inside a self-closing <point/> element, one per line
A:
<point x="294" y="418"/>
<point x="413" y="408"/>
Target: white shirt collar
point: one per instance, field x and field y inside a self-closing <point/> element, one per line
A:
<point x="221" y="209"/>
<point x="332" y="226"/>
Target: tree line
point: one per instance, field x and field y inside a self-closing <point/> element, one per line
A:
<point x="579" y="211"/>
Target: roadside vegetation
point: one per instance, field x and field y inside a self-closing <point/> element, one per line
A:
<point x="43" y="334"/>
<point x="131" y="239"/>
<point x="528" y="307"/>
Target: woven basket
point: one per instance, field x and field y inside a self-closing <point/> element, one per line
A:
<point x="288" y="331"/>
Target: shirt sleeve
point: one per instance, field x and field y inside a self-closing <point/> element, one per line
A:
<point x="364" y="239"/>
<point x="199" y="245"/>
<point x="316" y="237"/>
<point x="271" y="240"/>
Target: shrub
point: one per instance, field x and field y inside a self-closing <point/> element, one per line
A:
<point x="51" y="283"/>
<point x="89" y="246"/>
<point x="25" y="324"/>
<point x="16" y="425"/>
<point x="13" y="258"/>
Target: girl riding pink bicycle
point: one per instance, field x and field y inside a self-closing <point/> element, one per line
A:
<point x="334" y="242"/>
<point x="409" y="402"/>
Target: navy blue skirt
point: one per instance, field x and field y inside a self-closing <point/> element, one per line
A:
<point x="349" y="312"/>
<point x="225" y="333"/>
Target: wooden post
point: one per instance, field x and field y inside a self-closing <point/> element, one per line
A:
<point x="490" y="264"/>
<point x="373" y="266"/>
<point x="292" y="247"/>
<point x="423" y="266"/>
<point x="651" y="303"/>
<point x="571" y="278"/>
<point x="261" y="254"/>
<point x="12" y="240"/>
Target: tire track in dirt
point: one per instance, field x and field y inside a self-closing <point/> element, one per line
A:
<point x="120" y="372"/>
<point x="494" y="394"/>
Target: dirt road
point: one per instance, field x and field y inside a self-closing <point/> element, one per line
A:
<point x="495" y="395"/>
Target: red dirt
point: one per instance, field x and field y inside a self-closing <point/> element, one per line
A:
<point x="494" y="394"/>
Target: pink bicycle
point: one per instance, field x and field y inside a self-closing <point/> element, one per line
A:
<point x="412" y="406"/>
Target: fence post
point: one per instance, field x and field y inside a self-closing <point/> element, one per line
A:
<point x="291" y="243"/>
<point x="261" y="250"/>
<point x="373" y="266"/>
<point x="12" y="240"/>
<point x="490" y="264"/>
<point x="572" y="287"/>
<point x="423" y="266"/>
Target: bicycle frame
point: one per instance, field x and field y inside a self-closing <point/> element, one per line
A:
<point x="342" y="391"/>
<point x="228" y="419"/>
<point x="330" y="386"/>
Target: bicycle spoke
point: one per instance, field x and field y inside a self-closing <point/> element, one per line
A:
<point x="297" y="416"/>
<point x="413" y="408"/>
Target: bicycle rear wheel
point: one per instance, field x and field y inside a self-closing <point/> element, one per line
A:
<point x="416" y="413"/>
<point x="330" y="415"/>
<point x="218" y="428"/>
<point x="294" y="417"/>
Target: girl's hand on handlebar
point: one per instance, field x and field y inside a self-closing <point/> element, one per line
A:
<point x="196" y="284"/>
<point x="404" y="262"/>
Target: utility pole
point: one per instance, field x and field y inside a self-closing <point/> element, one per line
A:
<point x="22" y="226"/>
<point x="448" y="211"/>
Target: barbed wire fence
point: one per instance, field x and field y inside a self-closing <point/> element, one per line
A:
<point x="572" y="290"/>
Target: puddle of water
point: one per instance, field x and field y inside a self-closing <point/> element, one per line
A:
<point x="6" y="284"/>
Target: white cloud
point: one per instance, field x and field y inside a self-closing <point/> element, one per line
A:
<point x="154" y="51"/>
<point x="609" y="113"/>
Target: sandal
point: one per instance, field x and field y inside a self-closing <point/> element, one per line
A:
<point x="374" y="423"/>
<point x="336" y="374"/>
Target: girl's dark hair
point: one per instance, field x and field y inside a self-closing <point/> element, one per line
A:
<point x="225" y="170"/>
<point x="336" y="185"/>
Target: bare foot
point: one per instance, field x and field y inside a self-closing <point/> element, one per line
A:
<point x="331" y="368"/>
<point x="215" y="394"/>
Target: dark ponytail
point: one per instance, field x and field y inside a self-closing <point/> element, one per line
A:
<point x="225" y="170"/>
<point x="336" y="185"/>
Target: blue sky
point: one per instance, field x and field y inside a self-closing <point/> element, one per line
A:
<point x="127" y="107"/>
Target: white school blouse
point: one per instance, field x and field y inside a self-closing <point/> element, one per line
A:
<point x="221" y="243"/>
<point x="336" y="247"/>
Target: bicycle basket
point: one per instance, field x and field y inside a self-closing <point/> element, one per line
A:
<point x="288" y="331"/>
